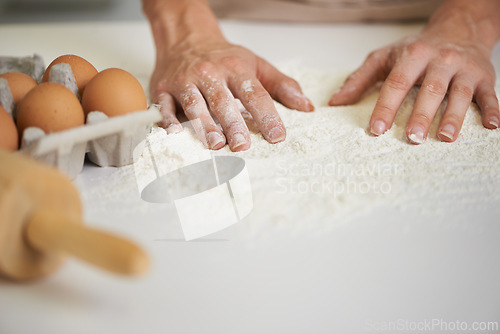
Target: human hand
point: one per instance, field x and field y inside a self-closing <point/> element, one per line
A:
<point x="204" y="78"/>
<point x="442" y="61"/>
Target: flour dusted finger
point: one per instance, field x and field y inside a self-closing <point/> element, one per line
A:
<point x="195" y="107"/>
<point x="167" y="109"/>
<point x="259" y="104"/>
<point x="222" y="104"/>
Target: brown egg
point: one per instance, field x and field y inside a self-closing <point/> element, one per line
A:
<point x="114" y="92"/>
<point x="19" y="84"/>
<point x="8" y="133"/>
<point x="83" y="71"/>
<point x="50" y="107"/>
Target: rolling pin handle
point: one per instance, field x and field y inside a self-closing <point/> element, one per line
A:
<point x="49" y="231"/>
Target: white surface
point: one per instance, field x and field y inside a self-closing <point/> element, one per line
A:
<point x="383" y="266"/>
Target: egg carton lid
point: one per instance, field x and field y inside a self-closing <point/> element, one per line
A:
<point x="64" y="141"/>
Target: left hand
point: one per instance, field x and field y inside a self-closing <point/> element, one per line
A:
<point x="205" y="78"/>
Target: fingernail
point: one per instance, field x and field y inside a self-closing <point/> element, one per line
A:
<point x="174" y="128"/>
<point x="417" y="135"/>
<point x="378" y="128"/>
<point x="237" y="140"/>
<point x="494" y="121"/>
<point x="214" y="139"/>
<point x="276" y="135"/>
<point x="448" y="131"/>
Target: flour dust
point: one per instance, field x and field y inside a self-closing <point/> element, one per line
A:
<point x="329" y="169"/>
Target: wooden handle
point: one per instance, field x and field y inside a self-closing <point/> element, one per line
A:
<point x="49" y="231"/>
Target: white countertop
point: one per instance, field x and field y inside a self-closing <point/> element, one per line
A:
<point x="354" y="278"/>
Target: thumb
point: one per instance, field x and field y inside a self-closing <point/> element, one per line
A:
<point x="366" y="76"/>
<point x="283" y="88"/>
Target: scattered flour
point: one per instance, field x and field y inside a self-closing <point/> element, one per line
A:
<point x="329" y="169"/>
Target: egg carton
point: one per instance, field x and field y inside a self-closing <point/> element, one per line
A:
<point x="6" y="99"/>
<point x="33" y="66"/>
<point x="106" y="141"/>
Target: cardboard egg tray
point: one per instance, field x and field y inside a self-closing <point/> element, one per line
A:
<point x="106" y="141"/>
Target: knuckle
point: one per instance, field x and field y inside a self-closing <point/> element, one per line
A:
<point x="258" y="94"/>
<point x="217" y="98"/>
<point x="398" y="81"/>
<point x="252" y="93"/>
<point x="188" y="100"/>
<point x="233" y="126"/>
<point x="383" y="111"/>
<point x="423" y="118"/>
<point x="417" y="48"/>
<point x="234" y="64"/>
<point x="247" y="87"/>
<point x="189" y="94"/>
<point x="435" y="88"/>
<point x="452" y="118"/>
<point x="271" y="120"/>
<point x="449" y="56"/>
<point x="462" y="91"/>
<point x="203" y="68"/>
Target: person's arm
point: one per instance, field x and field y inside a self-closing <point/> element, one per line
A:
<point x="198" y="69"/>
<point x="450" y="56"/>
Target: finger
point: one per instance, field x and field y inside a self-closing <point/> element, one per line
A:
<point x="283" y="88"/>
<point x="160" y="96"/>
<point x="222" y="104"/>
<point x="487" y="101"/>
<point x="259" y="104"/>
<point x="431" y="94"/>
<point x="167" y="110"/>
<point x="195" y="107"/>
<point x="459" y="99"/>
<point x="366" y="76"/>
<point x="393" y="92"/>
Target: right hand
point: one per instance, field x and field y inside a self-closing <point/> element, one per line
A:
<point x="205" y="77"/>
<point x="449" y="58"/>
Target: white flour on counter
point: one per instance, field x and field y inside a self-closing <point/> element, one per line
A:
<point x="329" y="169"/>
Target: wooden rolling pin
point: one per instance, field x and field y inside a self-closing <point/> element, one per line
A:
<point x="41" y="223"/>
